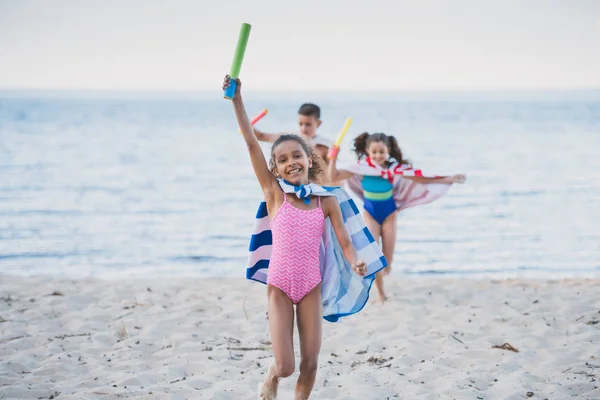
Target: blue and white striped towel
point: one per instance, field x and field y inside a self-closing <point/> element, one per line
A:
<point x="343" y="291"/>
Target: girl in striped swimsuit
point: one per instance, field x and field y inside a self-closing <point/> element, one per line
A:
<point x="294" y="275"/>
<point x="387" y="183"/>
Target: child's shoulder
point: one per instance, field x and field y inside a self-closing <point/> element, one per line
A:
<point x="329" y="201"/>
<point x="320" y="140"/>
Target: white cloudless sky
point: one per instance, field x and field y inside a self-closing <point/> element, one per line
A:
<point x="301" y="44"/>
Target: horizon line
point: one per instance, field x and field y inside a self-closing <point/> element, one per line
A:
<point x="262" y="95"/>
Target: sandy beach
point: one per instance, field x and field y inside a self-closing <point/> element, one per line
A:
<point x="208" y="339"/>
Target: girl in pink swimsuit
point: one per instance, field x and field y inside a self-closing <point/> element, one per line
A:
<point x="294" y="276"/>
<point x="294" y="266"/>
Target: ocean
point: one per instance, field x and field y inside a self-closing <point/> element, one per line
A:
<point x="137" y="185"/>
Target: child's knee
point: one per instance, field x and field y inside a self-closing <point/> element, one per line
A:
<point x="309" y="365"/>
<point x="284" y="368"/>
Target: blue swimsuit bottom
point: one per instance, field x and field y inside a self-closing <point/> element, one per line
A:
<point x="379" y="197"/>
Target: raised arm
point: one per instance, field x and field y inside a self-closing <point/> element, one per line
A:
<point x="458" y="178"/>
<point x="333" y="174"/>
<point x="267" y="137"/>
<point x="332" y="210"/>
<point x="261" y="169"/>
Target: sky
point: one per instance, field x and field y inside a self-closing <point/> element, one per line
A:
<point x="375" y="45"/>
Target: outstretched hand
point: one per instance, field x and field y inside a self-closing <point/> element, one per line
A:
<point x="227" y="83"/>
<point x="459" y="178"/>
<point x="360" y="268"/>
<point x="333" y="152"/>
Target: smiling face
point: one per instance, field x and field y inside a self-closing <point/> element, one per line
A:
<point x="378" y="152"/>
<point x="291" y="162"/>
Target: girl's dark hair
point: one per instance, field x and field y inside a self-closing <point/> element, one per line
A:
<point x="364" y="140"/>
<point x="318" y="163"/>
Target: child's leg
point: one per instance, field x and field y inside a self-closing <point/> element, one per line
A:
<point x="375" y="230"/>
<point x="388" y="239"/>
<point x="281" y="326"/>
<point x="309" y="327"/>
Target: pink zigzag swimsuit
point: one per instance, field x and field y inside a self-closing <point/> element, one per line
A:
<point x="295" y="264"/>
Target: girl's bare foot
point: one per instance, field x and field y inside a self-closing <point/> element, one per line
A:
<point x="382" y="298"/>
<point x="268" y="389"/>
